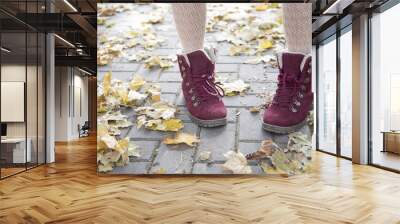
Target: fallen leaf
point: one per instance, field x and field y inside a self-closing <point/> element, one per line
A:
<point x="264" y="44"/>
<point x="261" y="7"/>
<point x="204" y="155"/>
<point x="133" y="150"/>
<point x="234" y="88"/>
<point x="266" y="149"/>
<point x="181" y="137"/>
<point x="104" y="168"/>
<point x="255" y="109"/>
<point x="158" y="110"/>
<point x="158" y="61"/>
<point x="236" y="163"/>
<point x="137" y="82"/>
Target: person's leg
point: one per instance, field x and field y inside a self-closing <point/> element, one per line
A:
<point x="293" y="98"/>
<point x="197" y="65"/>
<point x="297" y="24"/>
<point x="190" y="21"/>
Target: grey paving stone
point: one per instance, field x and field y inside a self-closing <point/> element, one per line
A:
<point x="223" y="48"/>
<point x="204" y="168"/>
<point x="122" y="67"/>
<point x="131" y="168"/>
<point x="170" y="77"/>
<point x="171" y="42"/>
<point x="124" y="132"/>
<point x="170" y="87"/>
<point x="269" y="69"/>
<point x="250" y="73"/>
<point x="232" y="101"/>
<point x="169" y="97"/>
<point x="164" y="51"/>
<point x="174" y="68"/>
<point x="125" y="76"/>
<point x="144" y="133"/>
<point x="242" y="101"/>
<point x="173" y="159"/>
<point x="233" y="59"/>
<point x="218" y="141"/>
<point x="253" y="131"/>
<point x="271" y="77"/>
<point x="149" y="74"/>
<point x="226" y="68"/>
<point x="256" y="88"/>
<point x="146" y="149"/>
<point x="183" y="114"/>
<point x="227" y="76"/>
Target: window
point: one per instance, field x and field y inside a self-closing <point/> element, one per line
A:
<point x="385" y="89"/>
<point x="327" y="96"/>
<point x="346" y="93"/>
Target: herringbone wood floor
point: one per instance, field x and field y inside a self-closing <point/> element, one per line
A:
<point x="70" y="191"/>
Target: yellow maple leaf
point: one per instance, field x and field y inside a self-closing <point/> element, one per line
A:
<point x="261" y="7"/>
<point x="172" y="124"/>
<point x="264" y="44"/>
<point x="137" y="82"/>
<point x="181" y="137"/>
<point x="107" y="84"/>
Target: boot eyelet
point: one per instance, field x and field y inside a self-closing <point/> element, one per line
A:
<point x="294" y="110"/>
<point x="300" y="95"/>
<point x="187" y="84"/>
<point x="183" y="68"/>
<point x="190" y="91"/>
<point x="303" y="87"/>
<point x="297" y="103"/>
<point x="193" y="98"/>
<point x="195" y="104"/>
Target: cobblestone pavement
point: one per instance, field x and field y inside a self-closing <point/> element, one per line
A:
<point x="242" y="133"/>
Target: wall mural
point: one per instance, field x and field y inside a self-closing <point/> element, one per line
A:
<point x="204" y="88"/>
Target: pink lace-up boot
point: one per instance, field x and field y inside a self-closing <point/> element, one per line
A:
<point x="202" y="94"/>
<point x="293" y="98"/>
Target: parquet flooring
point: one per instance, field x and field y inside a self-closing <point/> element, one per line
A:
<point x="70" y="191"/>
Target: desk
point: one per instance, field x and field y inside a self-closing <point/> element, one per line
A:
<point x="13" y="150"/>
<point x="391" y="141"/>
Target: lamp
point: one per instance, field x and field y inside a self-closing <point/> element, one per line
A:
<point x="70" y="5"/>
<point x="5" y="50"/>
<point x="64" y="40"/>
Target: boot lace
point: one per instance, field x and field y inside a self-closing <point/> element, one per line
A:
<point x="287" y="88"/>
<point x="206" y="87"/>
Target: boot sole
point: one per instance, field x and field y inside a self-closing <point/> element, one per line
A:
<point x="283" y="130"/>
<point x="208" y="123"/>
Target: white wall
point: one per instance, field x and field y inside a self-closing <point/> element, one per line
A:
<point x="70" y="84"/>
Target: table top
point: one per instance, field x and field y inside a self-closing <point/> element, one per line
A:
<point x="390" y="132"/>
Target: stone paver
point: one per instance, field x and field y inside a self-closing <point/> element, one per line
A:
<point x="251" y="127"/>
<point x="218" y="141"/>
<point x="132" y="168"/>
<point x="146" y="149"/>
<point x="173" y="159"/>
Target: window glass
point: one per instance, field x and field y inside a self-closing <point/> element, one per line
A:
<point x="327" y="96"/>
<point x="346" y="94"/>
<point x="385" y="87"/>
